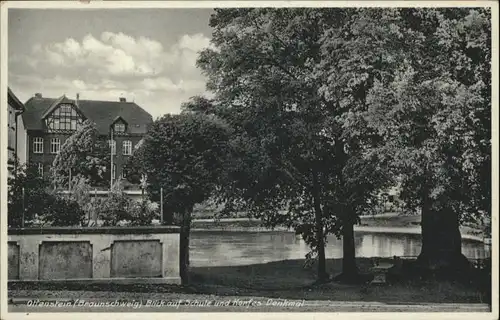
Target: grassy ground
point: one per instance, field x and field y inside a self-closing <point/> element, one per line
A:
<point x="290" y="280"/>
<point x="283" y="279"/>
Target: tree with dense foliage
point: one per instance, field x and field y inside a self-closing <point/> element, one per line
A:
<point x="185" y="155"/>
<point x="293" y="147"/>
<point x="27" y="196"/>
<point x="432" y="107"/>
<point x="85" y="153"/>
<point x="133" y="168"/>
<point x="321" y="100"/>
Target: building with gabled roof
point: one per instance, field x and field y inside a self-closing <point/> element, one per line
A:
<point x="15" y="151"/>
<point x="48" y="122"/>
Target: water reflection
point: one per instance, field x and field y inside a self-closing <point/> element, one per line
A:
<point x="217" y="248"/>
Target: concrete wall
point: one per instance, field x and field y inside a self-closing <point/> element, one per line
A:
<point x="111" y="254"/>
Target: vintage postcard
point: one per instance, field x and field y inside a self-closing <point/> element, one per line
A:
<point x="280" y="159"/>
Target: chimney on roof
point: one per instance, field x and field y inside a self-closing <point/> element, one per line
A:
<point x="77" y="99"/>
<point x="38" y="95"/>
<point x="122" y="99"/>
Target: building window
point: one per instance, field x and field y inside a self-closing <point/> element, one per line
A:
<point x="119" y="127"/>
<point x="37" y="145"/>
<point x="64" y="123"/>
<point x="40" y="169"/>
<point x="127" y="148"/>
<point x="11" y="139"/>
<point x="112" y="145"/>
<point x="66" y="110"/>
<point x="55" y="145"/>
<point x="113" y="172"/>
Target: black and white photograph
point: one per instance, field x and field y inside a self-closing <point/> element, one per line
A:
<point x="296" y="159"/>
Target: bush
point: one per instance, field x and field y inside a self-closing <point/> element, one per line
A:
<point x="142" y="213"/>
<point x="64" y="212"/>
<point x="76" y="209"/>
<point x="115" y="207"/>
<point x="36" y="195"/>
<point x="81" y="192"/>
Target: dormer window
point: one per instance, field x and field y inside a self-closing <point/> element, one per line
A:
<point x="64" y="118"/>
<point x="119" y="127"/>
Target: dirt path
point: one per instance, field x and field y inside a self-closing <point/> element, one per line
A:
<point x="88" y="301"/>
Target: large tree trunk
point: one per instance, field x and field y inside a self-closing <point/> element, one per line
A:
<point x="320" y="236"/>
<point x="184" y="247"/>
<point x="350" y="272"/>
<point x="441" y="242"/>
<point x="322" y="274"/>
<point x="349" y="256"/>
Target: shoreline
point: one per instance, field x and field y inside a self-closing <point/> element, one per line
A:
<point x="413" y="230"/>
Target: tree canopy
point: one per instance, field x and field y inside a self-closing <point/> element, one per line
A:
<point x="185" y="156"/>
<point x="325" y="103"/>
<point x="432" y="109"/>
<point x="85" y="153"/>
<point x="295" y="151"/>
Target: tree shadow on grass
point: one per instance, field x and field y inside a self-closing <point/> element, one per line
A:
<point x="288" y="279"/>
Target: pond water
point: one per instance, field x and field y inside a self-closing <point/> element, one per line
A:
<point x="223" y="248"/>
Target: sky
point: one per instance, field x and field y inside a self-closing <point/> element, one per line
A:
<point x="145" y="55"/>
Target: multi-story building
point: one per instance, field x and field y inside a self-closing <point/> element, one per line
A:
<point x="15" y="147"/>
<point x="50" y="121"/>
